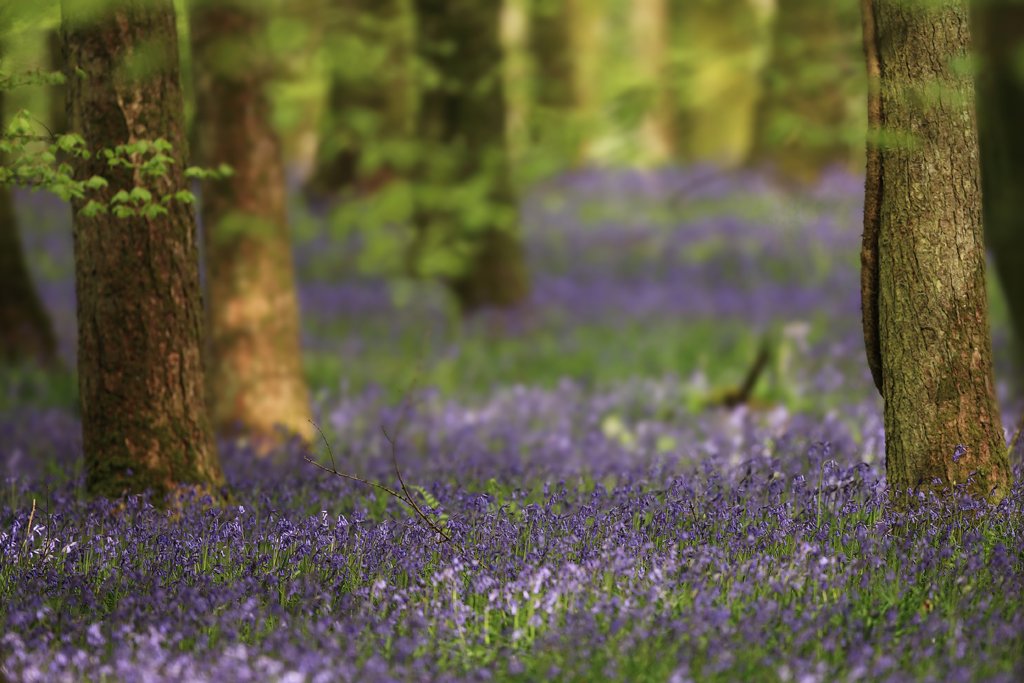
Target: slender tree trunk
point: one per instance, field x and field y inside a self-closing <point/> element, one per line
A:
<point x="256" y="381"/>
<point x="26" y="332"/>
<point x="650" y="38"/>
<point x="369" y="103"/>
<point x="999" y="29"/>
<point x="550" y="37"/>
<point x="802" y="119"/>
<point x="589" y="38"/>
<point x="942" y="425"/>
<point x="144" y="420"/>
<point x="462" y="130"/>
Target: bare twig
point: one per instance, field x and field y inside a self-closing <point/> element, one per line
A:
<point x="404" y="495"/>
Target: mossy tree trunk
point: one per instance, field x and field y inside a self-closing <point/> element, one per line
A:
<point x="803" y="121"/>
<point x="999" y="31"/>
<point x="256" y="383"/>
<point x="932" y="347"/>
<point x="26" y="333"/>
<point x="140" y="372"/>
<point x="369" y="102"/>
<point x="461" y="128"/>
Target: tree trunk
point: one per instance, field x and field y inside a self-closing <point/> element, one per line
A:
<point x="942" y="425"/>
<point x="369" y="105"/>
<point x="255" y="375"/>
<point x="461" y="129"/>
<point x="25" y="329"/>
<point x="144" y="420"/>
<point x="589" y="37"/>
<point x="550" y="37"/>
<point x="802" y="121"/>
<point x="999" y="31"/>
<point x="650" y="32"/>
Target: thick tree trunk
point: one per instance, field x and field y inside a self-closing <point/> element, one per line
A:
<point x="999" y="31"/>
<point x="144" y="419"/>
<point x="462" y="131"/>
<point x="368" y="100"/>
<point x="255" y="375"/>
<point x="942" y="425"/>
<point x="26" y="332"/>
<point x="802" y="120"/>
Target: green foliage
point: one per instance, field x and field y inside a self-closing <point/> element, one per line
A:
<point x="41" y="162"/>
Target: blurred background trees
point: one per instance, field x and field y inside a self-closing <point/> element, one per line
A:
<point x="417" y="130"/>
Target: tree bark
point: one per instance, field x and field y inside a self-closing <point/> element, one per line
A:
<point x="942" y="425"/>
<point x="144" y="420"/>
<point x="369" y="104"/>
<point x="999" y="29"/>
<point x="461" y="128"/>
<point x="802" y="118"/>
<point x="26" y="333"/>
<point x="256" y="382"/>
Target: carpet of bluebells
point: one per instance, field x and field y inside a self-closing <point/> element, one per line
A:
<point x="605" y="521"/>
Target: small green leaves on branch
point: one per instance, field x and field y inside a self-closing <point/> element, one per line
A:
<point x="40" y="162"/>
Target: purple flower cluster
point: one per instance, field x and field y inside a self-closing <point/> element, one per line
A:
<point x="704" y="547"/>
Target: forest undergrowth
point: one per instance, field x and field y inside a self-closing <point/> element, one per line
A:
<point x="603" y="516"/>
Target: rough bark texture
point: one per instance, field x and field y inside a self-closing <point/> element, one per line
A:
<point x="368" y="98"/>
<point x="942" y="425"/>
<point x="255" y="367"/>
<point x="461" y="127"/>
<point x="26" y="333"/>
<point x="144" y="420"/>
<point x="803" y="113"/>
<point x="999" y="29"/>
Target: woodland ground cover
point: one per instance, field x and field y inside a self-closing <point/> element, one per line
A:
<point x="606" y="524"/>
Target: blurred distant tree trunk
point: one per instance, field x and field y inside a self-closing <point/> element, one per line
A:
<point x="650" y="27"/>
<point x="998" y="26"/>
<point x="140" y="370"/>
<point x="588" y="38"/>
<point x="551" y="45"/>
<point x="368" y="99"/>
<point x="461" y="128"/>
<point x="256" y="381"/>
<point x="923" y="240"/>
<point x="803" y="121"/>
<point x="716" y="66"/>
<point x="554" y="125"/>
<point x="25" y="329"/>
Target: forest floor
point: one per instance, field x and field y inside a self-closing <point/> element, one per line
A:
<point x="605" y="520"/>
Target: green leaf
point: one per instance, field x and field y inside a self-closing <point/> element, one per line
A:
<point x="93" y="208"/>
<point x="141" y="194"/>
<point x="96" y="183"/>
